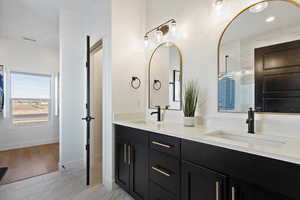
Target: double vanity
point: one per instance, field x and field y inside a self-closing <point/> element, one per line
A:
<point x="258" y="71"/>
<point x="165" y="161"/>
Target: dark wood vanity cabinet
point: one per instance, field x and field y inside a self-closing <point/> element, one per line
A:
<point x="131" y="164"/>
<point x="122" y="170"/>
<point x="248" y="176"/>
<point x="239" y="190"/>
<point x="201" y="183"/>
<point x="165" y="166"/>
<point x="159" y="167"/>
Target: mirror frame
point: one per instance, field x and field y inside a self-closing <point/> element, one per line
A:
<point x="225" y="29"/>
<point x="2" y="105"/>
<point x="181" y="74"/>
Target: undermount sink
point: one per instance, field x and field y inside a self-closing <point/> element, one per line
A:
<point x="145" y="122"/>
<point x="142" y="121"/>
<point x="248" y="139"/>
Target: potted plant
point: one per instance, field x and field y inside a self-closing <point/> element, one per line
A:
<point x="191" y="94"/>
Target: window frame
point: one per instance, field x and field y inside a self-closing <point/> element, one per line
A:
<point x="50" y="101"/>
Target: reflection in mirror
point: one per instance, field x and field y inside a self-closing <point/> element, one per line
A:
<point x="258" y="66"/>
<point x="165" y="75"/>
<point x="1" y="88"/>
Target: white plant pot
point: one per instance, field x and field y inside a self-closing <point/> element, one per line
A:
<point x="189" y="121"/>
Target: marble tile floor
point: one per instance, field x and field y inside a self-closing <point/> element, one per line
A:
<point x="63" y="185"/>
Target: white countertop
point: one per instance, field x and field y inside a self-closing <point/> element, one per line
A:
<point x="288" y="149"/>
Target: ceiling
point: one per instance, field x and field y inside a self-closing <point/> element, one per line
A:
<point x="248" y="24"/>
<point x="35" y="19"/>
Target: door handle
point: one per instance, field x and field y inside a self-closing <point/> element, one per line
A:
<point x="88" y="118"/>
<point x="217" y="190"/>
<point x="161" y="171"/>
<point x="161" y="144"/>
<point x="125" y="153"/>
<point x="232" y="193"/>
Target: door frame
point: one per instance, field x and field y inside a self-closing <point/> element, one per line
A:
<point x="107" y="128"/>
<point x="97" y="46"/>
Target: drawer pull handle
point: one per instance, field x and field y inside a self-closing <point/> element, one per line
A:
<point x="161" y="171"/>
<point x="232" y="193"/>
<point x="217" y="190"/>
<point x="129" y="154"/>
<point x="162" y="145"/>
<point x="125" y="153"/>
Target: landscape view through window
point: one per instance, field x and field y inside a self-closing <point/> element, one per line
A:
<point x="30" y="98"/>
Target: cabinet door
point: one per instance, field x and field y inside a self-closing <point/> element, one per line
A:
<point x="239" y="190"/>
<point x="139" y="160"/>
<point x="199" y="183"/>
<point x="159" y="193"/>
<point x="122" y="169"/>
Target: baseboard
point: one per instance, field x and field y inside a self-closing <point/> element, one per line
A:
<point x="109" y="183"/>
<point x="69" y="165"/>
<point x="28" y="144"/>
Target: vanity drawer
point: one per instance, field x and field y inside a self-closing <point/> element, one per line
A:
<point x="158" y="193"/>
<point x="164" y="170"/>
<point x="165" y="144"/>
<point x="126" y="133"/>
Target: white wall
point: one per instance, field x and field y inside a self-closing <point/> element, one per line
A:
<point x="128" y="55"/>
<point x="24" y="56"/>
<point x="77" y="19"/>
<point x="72" y="81"/>
<point x="121" y="26"/>
<point x="99" y="27"/>
<point x="276" y="36"/>
<point x="199" y="28"/>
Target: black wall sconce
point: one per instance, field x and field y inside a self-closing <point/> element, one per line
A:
<point x="156" y="85"/>
<point x="135" y="82"/>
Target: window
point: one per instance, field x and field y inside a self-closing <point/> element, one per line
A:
<point x="30" y="98"/>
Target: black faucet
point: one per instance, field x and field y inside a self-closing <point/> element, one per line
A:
<point x="158" y="112"/>
<point x="250" y="121"/>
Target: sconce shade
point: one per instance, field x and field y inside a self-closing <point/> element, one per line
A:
<point x="146" y="40"/>
<point x="173" y="27"/>
<point x="160" y="31"/>
<point x="218" y="4"/>
<point x="158" y="35"/>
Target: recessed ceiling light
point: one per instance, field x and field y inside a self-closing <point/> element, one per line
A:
<point x="270" y="19"/>
<point x="259" y="7"/>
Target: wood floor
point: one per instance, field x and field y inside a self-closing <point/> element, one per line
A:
<point x="28" y="162"/>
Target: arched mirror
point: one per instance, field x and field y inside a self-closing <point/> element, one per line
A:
<point x="165" y="77"/>
<point x="259" y="59"/>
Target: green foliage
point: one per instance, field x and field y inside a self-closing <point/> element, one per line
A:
<point x="191" y="95"/>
